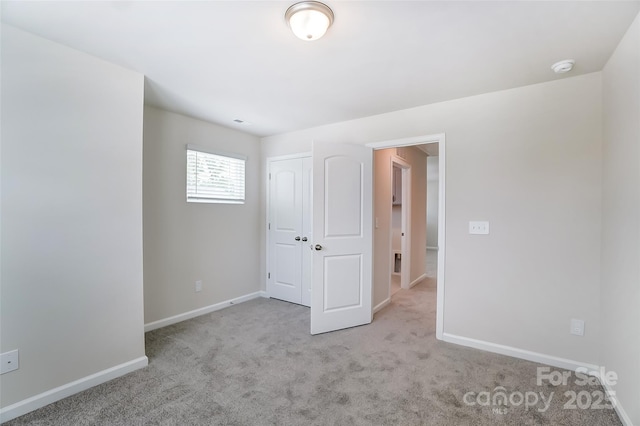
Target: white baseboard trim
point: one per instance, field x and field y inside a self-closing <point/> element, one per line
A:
<point x="432" y="248"/>
<point x="38" y="401"/>
<point x="417" y="280"/>
<point x="201" y="311"/>
<point x="624" y="417"/>
<point x="382" y="304"/>
<point x="554" y="361"/>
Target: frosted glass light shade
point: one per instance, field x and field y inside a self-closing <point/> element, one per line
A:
<point x="309" y="20"/>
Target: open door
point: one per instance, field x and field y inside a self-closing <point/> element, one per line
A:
<point x="342" y="236"/>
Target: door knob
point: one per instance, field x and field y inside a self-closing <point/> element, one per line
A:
<point x="318" y="247"/>
<point x="297" y="238"/>
<point x="304" y="238"/>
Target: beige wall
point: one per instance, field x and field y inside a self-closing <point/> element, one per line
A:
<point x="71" y="215"/>
<point x="418" y="161"/>
<point x="529" y="161"/>
<point x="382" y="212"/>
<point x="381" y="234"/>
<point x="620" y="294"/>
<point x="185" y="242"/>
<point x="433" y="184"/>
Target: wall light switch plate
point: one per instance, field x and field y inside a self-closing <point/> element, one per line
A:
<point x="9" y="361"/>
<point x="198" y="285"/>
<point x="478" y="228"/>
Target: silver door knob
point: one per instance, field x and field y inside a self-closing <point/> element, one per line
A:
<point x="297" y="238"/>
<point x="318" y="247"/>
<point x="304" y="238"/>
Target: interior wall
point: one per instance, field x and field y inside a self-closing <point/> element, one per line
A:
<point x="396" y="227"/>
<point x="382" y="212"/>
<point x="433" y="188"/>
<point x="71" y="277"/>
<point x="540" y="266"/>
<point x="185" y="242"/>
<point x="620" y="293"/>
<point x="418" y="160"/>
<point x="382" y="224"/>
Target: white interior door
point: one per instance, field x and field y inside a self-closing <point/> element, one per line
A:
<point x="342" y="242"/>
<point x="307" y="231"/>
<point x="285" y="227"/>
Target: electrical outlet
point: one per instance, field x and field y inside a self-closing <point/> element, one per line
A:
<point x="198" y="285"/>
<point x="577" y="327"/>
<point x="478" y="228"/>
<point x="9" y="361"/>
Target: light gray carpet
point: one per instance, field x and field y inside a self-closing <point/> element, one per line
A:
<point x="257" y="364"/>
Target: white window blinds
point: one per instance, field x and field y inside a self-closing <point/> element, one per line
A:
<point x="214" y="178"/>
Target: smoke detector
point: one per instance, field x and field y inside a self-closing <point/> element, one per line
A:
<point x="563" y="66"/>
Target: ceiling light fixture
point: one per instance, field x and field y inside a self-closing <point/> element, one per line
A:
<point x="309" y="20"/>
<point x="563" y="66"/>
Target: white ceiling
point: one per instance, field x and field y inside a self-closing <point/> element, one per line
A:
<point x="226" y="60"/>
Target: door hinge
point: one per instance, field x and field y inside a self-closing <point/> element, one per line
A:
<point x="269" y="176"/>
<point x="269" y="275"/>
<point x="269" y="225"/>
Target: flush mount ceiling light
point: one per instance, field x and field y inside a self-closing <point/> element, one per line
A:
<point x="563" y="66"/>
<point x="309" y="20"/>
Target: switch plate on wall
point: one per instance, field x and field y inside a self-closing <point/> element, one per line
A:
<point x="198" y="285"/>
<point x="577" y="327"/>
<point x="478" y="228"/>
<point x="9" y="361"/>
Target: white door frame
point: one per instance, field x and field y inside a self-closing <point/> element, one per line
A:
<point x="423" y="140"/>
<point x="405" y="239"/>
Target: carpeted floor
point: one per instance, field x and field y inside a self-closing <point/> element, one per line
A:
<point x="256" y="364"/>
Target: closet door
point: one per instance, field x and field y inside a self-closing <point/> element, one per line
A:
<point x="307" y="254"/>
<point x="285" y="233"/>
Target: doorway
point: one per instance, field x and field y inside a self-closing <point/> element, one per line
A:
<point x="338" y="240"/>
<point x="426" y="142"/>
<point x="400" y="229"/>
<point x="357" y="164"/>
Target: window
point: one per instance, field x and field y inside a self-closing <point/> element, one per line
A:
<point x="214" y="177"/>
